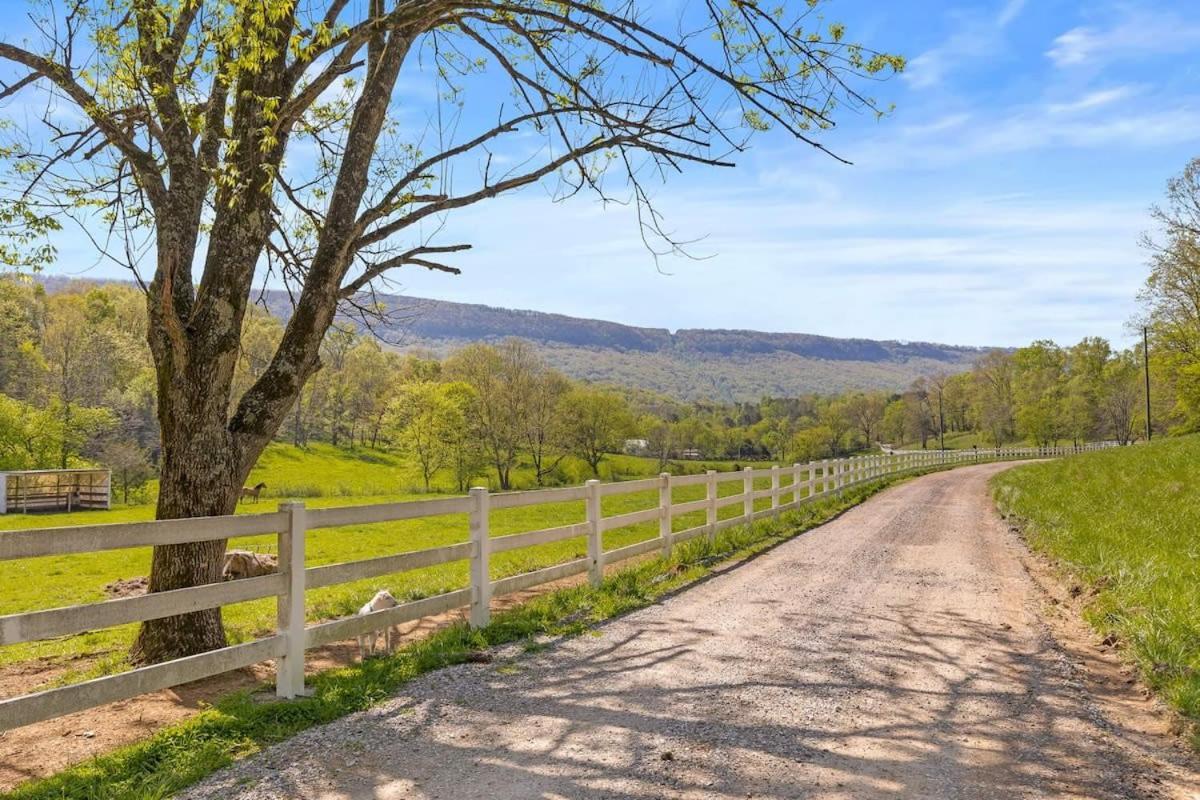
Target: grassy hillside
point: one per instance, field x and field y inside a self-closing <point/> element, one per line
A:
<point x="1126" y="523"/>
<point x="321" y="470"/>
<point x="958" y="440"/>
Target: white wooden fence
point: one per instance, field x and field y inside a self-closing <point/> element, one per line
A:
<point x="789" y="487"/>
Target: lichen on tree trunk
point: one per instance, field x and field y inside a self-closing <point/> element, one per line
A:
<point x="199" y="479"/>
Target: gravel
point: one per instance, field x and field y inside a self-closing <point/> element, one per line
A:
<point x="896" y="652"/>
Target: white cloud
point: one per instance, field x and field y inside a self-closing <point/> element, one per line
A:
<point x="977" y="36"/>
<point x="1029" y="129"/>
<point x="1011" y="10"/>
<point x="1136" y="32"/>
<point x="997" y="269"/>
<point x="1096" y="99"/>
<point x="936" y="125"/>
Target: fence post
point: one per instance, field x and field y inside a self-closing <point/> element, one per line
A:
<point x="289" y="606"/>
<point x="796" y="469"/>
<point x="481" y="580"/>
<point x="595" y="540"/>
<point x="775" y="487"/>
<point x="664" y="512"/>
<point x="748" y="491"/>
<point x="710" y="494"/>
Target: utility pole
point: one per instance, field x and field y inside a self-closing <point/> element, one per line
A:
<point x="1146" y="370"/>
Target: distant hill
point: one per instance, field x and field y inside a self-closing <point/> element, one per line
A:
<point x="690" y="364"/>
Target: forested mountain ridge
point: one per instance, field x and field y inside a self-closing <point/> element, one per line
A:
<point x="689" y="364"/>
<point x="422" y="318"/>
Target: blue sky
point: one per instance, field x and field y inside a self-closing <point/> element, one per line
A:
<point x="1001" y="202"/>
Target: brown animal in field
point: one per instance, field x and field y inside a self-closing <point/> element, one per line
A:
<point x="253" y="492"/>
<point x="245" y="564"/>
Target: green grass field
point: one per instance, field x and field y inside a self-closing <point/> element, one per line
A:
<point x="335" y="478"/>
<point x="1126" y="523"/>
<point x="954" y="441"/>
<point x="321" y="470"/>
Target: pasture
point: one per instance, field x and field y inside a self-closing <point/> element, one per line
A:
<point x="322" y="476"/>
<point x="1124" y="524"/>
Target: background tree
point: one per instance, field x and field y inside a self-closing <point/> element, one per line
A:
<point x="22" y="320"/>
<point x="1122" y="399"/>
<point x="865" y="411"/>
<point x="835" y="420"/>
<point x="1039" y="392"/>
<point x="661" y="439"/>
<point x="261" y="333"/>
<point x="994" y="379"/>
<point x="543" y="420"/>
<point x="1085" y="363"/>
<point x="812" y="444"/>
<point x="177" y="127"/>
<point x="595" y="422"/>
<point x="369" y="371"/>
<point x="959" y="398"/>
<point x="895" y="422"/>
<point x="500" y="378"/>
<point x="467" y="456"/>
<point x="424" y="418"/>
<point x="130" y="465"/>
<point x="1171" y="295"/>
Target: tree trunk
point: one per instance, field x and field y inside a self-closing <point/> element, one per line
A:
<point x="199" y="479"/>
<point x="298" y="425"/>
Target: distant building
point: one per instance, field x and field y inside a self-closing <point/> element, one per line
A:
<point x="54" y="490"/>
<point x="637" y="447"/>
<point x="692" y="454"/>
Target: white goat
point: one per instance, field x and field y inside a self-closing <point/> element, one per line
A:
<point x="366" y="642"/>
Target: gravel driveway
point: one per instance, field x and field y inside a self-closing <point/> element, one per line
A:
<point x="896" y="652"/>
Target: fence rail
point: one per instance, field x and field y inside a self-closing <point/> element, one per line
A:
<point x="804" y="483"/>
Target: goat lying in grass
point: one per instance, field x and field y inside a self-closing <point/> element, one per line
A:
<point x="366" y="642"/>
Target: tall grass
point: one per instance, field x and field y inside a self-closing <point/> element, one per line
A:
<point x="1126" y="523"/>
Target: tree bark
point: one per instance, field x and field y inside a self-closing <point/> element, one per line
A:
<point x="199" y="478"/>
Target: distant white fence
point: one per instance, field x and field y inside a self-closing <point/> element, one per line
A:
<point x="797" y="484"/>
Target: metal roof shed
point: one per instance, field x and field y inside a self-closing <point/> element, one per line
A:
<point x="54" y="490"/>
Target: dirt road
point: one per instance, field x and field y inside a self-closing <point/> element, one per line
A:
<point x="899" y="651"/>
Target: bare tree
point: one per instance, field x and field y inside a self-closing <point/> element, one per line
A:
<point x="173" y="131"/>
<point x="865" y="411"/>
<point x="1122" y="396"/>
